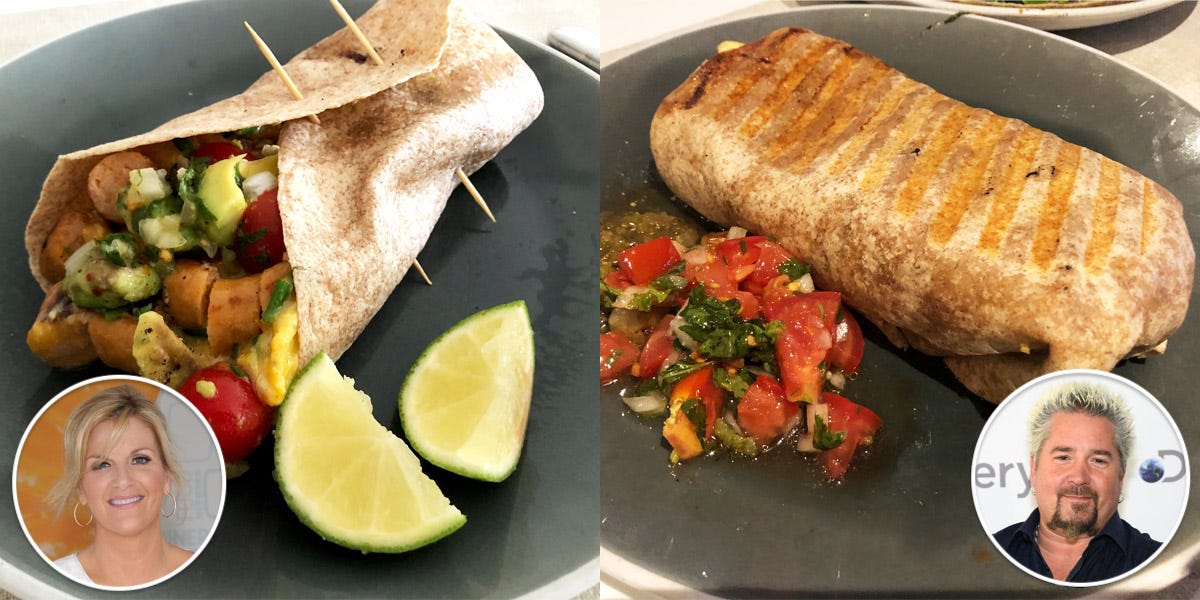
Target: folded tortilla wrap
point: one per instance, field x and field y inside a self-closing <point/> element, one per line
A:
<point x="956" y="231"/>
<point x="360" y="193"/>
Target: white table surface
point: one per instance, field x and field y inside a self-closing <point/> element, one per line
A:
<point x="1165" y="45"/>
<point x="27" y="24"/>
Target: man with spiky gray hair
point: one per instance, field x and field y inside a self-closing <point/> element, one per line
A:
<point x="1080" y="437"/>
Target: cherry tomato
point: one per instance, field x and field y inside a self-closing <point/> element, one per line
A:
<point x="260" y="234"/>
<point x="847" y="350"/>
<point x="860" y="424"/>
<point x="617" y="355"/>
<point x="764" y="412"/>
<point x="657" y="348"/>
<point x="228" y="402"/>
<point x="642" y="263"/>
<point x="215" y="151"/>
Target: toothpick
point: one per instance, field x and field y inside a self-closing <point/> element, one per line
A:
<point x="474" y="193"/>
<point x="422" y="272"/>
<point x="366" y="44"/>
<point x="270" y="56"/>
<point x="362" y="39"/>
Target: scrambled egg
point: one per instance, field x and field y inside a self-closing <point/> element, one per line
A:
<point x="274" y="357"/>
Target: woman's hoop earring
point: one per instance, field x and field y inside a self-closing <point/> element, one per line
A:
<point x="1121" y="499"/>
<point x="75" y="516"/>
<point x="174" y="505"/>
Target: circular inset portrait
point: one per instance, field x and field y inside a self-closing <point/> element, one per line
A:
<point x="1080" y="478"/>
<point x="119" y="483"/>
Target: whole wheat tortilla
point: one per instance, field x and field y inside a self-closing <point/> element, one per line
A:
<point x="360" y="193"/>
<point x="408" y="35"/>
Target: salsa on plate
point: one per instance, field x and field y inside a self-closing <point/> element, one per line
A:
<point x="727" y="340"/>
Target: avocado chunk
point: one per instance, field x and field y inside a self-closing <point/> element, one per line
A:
<point x="221" y="195"/>
<point x="108" y="274"/>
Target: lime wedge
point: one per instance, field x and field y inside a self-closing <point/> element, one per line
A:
<point x="465" y="403"/>
<point x="346" y="476"/>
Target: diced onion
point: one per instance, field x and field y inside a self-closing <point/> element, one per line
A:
<point x="735" y="233"/>
<point x="685" y="339"/>
<point x="649" y="405"/>
<point x="733" y="424"/>
<point x="258" y="183"/>
<point x="623" y="301"/>
<point x="680" y="248"/>
<point x="696" y="256"/>
<point x="806" y="284"/>
<point x="836" y="379"/>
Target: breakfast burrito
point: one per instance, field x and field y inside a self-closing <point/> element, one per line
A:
<point x="958" y="232"/>
<point x="245" y="233"/>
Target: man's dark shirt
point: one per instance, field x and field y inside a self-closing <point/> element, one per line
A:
<point x="1118" y="548"/>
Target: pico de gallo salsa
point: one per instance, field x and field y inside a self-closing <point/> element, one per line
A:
<point x="729" y="343"/>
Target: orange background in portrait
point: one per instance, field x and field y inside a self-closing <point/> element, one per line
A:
<point x="40" y="465"/>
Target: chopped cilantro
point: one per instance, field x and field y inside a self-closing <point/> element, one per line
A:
<point x="721" y="332"/>
<point x="794" y="269"/>
<point x="279" y="293"/>
<point x="823" y="438"/>
<point x="735" y="383"/>
<point x="678" y="370"/>
<point x="118" y="248"/>
<point x="694" y="411"/>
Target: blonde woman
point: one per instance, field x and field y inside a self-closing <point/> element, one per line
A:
<point x="121" y="477"/>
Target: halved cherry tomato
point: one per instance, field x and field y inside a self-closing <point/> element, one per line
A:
<point x="228" y="402"/>
<point x="642" y="263"/>
<point x="860" y="424"/>
<point x="260" y="234"/>
<point x="617" y="355"/>
<point x="699" y="385"/>
<point x="847" y="350"/>
<point x="657" y="349"/>
<point x="764" y="412"/>
<point x="215" y="151"/>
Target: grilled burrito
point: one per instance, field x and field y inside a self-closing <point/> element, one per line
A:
<point x="149" y="269"/>
<point x="958" y="232"/>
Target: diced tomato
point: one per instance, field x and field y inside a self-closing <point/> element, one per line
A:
<point x="260" y="234"/>
<point x="809" y="321"/>
<point x="215" y="151"/>
<point x="847" y="350"/>
<point x="770" y="256"/>
<point x="642" y="263"/>
<point x="764" y="412"/>
<point x="860" y="424"/>
<point x="700" y="385"/>
<point x="741" y="255"/>
<point x="617" y="355"/>
<point x="617" y="280"/>
<point x="657" y="348"/>
<point x="680" y="433"/>
<point x="718" y="283"/>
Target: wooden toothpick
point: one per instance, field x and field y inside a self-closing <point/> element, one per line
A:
<point x="366" y="44"/>
<point x="474" y="193"/>
<point x="270" y="56"/>
<point x="422" y="272"/>
<point x="362" y="39"/>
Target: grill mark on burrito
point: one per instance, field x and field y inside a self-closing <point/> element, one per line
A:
<point x="754" y="74"/>
<point x="894" y="134"/>
<point x="1104" y="216"/>
<point x="800" y="79"/>
<point x="1009" y="188"/>
<point x="865" y="87"/>
<point x="1149" y="225"/>
<point x="1055" y="206"/>
<point x="930" y="157"/>
<point x="968" y="179"/>
<point x="905" y="91"/>
<point x="799" y="124"/>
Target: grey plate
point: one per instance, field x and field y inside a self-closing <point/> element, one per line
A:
<point x="538" y="528"/>
<point x="903" y="521"/>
